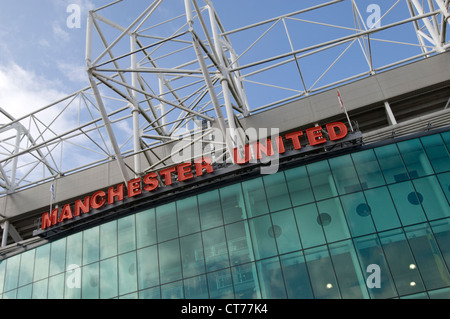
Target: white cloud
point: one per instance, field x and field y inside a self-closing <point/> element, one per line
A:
<point x="74" y="72"/>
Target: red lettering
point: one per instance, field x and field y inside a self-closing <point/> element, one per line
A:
<point x="95" y="203"/>
<point x="115" y="194"/>
<point x="331" y="129"/>
<point x="167" y="173"/>
<point x="49" y="220"/>
<point x="82" y="206"/>
<point x="315" y="136"/>
<point x="134" y="187"/>
<point x="295" y="138"/>
<point x="260" y="148"/>
<point x="151" y="182"/>
<point x="280" y="145"/>
<point x="185" y="172"/>
<point x="66" y="213"/>
<point x="237" y="156"/>
<point x="201" y="164"/>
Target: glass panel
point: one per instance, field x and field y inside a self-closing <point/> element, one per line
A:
<point x="233" y="205"/>
<point x="72" y="286"/>
<point x="444" y="180"/>
<point x="74" y="253"/>
<point x="382" y="208"/>
<point x="40" y="289"/>
<point x="344" y="174"/>
<point x="42" y="263"/>
<point x="172" y="291"/>
<point x="321" y="272"/>
<point x="192" y="257"/>
<point x="56" y="287"/>
<point x="196" y="288"/>
<point x="108" y="240"/>
<point x="415" y="158"/>
<point x="58" y="257"/>
<point x="321" y="180"/>
<point x="277" y="192"/>
<point x="296" y="276"/>
<point x="2" y="274"/>
<point x="109" y="287"/>
<point x="245" y="280"/>
<point x="216" y="252"/>
<point x="220" y="285"/>
<point x="169" y="261"/>
<point x="127" y="273"/>
<point x="262" y="237"/>
<point x="239" y="243"/>
<point x="401" y="262"/>
<point x="441" y="230"/>
<point x="434" y="202"/>
<point x="358" y="214"/>
<point x="166" y="222"/>
<point x="91" y="244"/>
<point x="428" y="257"/>
<point x="299" y="186"/>
<point x="188" y="218"/>
<point x="152" y="293"/>
<point x="126" y="234"/>
<point x="348" y="270"/>
<point x="391" y="163"/>
<point x="271" y="279"/>
<point x="309" y="225"/>
<point x="446" y="138"/>
<point x="146" y="228"/>
<point x="285" y="232"/>
<point x="148" y="269"/>
<point x="370" y="253"/>
<point x="210" y="210"/>
<point x="12" y="273"/>
<point x="255" y="197"/>
<point x="90" y="282"/>
<point x="437" y="152"/>
<point x="369" y="171"/>
<point x="26" y="268"/>
<point x="408" y="203"/>
<point x="440" y="294"/>
<point x="333" y="220"/>
<point x="24" y="292"/>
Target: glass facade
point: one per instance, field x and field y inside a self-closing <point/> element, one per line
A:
<point x="371" y="224"/>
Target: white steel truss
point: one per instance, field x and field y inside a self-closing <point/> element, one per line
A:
<point x="157" y="80"/>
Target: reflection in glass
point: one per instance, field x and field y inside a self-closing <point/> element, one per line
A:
<point x="255" y="197"/>
<point x="369" y="171"/>
<point x="146" y="228"/>
<point x="90" y="281"/>
<point x="239" y="243"/>
<point x="415" y="158"/>
<point x="299" y="186"/>
<point x="382" y="208"/>
<point x="263" y="243"/>
<point x="271" y="279"/>
<point x="58" y="253"/>
<point x="192" y="255"/>
<point x="169" y="261"/>
<point x="233" y="205"/>
<point x="210" y="210"/>
<point x="287" y="237"/>
<point x="245" y="280"/>
<point x="216" y="252"/>
<point x="127" y="273"/>
<point x="277" y="192"/>
<point x="434" y="202"/>
<point x="358" y="214"/>
<point x="166" y="222"/>
<point x="311" y="232"/>
<point x="188" y="218"/>
<point x="321" y="180"/>
<point x="344" y="174"/>
<point x="108" y="240"/>
<point x="406" y="202"/>
<point x="391" y="163"/>
<point x="220" y="285"/>
<point x="196" y="288"/>
<point x="148" y="269"/>
<point x="337" y="229"/>
<point x="109" y="287"/>
<point x="296" y="276"/>
<point x="437" y="152"/>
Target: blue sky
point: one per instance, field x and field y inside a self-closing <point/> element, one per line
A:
<point x="42" y="59"/>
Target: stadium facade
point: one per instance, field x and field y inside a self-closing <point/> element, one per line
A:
<point x="352" y="210"/>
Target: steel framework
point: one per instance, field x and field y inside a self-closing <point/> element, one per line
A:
<point x="156" y="81"/>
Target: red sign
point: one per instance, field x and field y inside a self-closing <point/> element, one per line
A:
<point x="187" y="171"/>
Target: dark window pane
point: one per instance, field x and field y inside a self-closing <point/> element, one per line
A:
<point x="233" y="205"/>
<point x="323" y="280"/>
<point x="437" y="152"/>
<point x="285" y="232"/>
<point x="408" y="203"/>
<point x="210" y="210"/>
<point x="441" y="230"/>
<point x="271" y="279"/>
<point x="309" y="226"/>
<point x="239" y="243"/>
<point x="428" y="256"/>
<point x="333" y="220"/>
<point x="277" y="192"/>
<point x="296" y="276"/>
<point x="262" y="237"/>
<point x="255" y="197"/>
<point x="216" y="252"/>
<point x="192" y="257"/>
<point x="344" y="174"/>
<point x="415" y="158"/>
<point x="245" y="280"/>
<point x="348" y="270"/>
<point x="434" y="202"/>
<point x="444" y="180"/>
<point x="166" y="222"/>
<point x="188" y="218"/>
<point x="321" y="180"/>
<point x="220" y="285"/>
<point x="391" y="163"/>
<point x="369" y="171"/>
<point x="299" y="186"/>
<point x="382" y="208"/>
